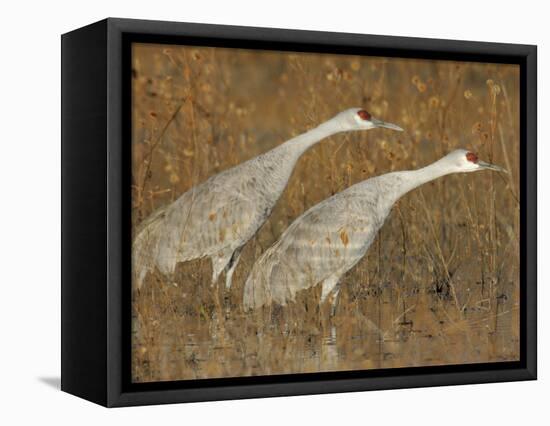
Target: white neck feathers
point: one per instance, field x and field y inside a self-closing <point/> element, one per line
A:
<point x="303" y="142"/>
<point x="414" y="178"/>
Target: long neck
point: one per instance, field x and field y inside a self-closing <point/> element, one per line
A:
<point x="414" y="178"/>
<point x="303" y="142"/>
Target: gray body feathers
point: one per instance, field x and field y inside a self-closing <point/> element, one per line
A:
<point x="215" y="218"/>
<point x="331" y="237"/>
<point x="323" y="243"/>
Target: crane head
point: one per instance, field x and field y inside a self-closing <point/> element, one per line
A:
<point x="361" y="119"/>
<point x="462" y="160"/>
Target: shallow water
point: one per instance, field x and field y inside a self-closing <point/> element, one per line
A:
<point x="215" y="339"/>
<point x="440" y="284"/>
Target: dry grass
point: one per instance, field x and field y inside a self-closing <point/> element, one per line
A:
<point x="440" y="285"/>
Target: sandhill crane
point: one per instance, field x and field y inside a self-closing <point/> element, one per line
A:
<point x="217" y="217"/>
<point x="330" y="238"/>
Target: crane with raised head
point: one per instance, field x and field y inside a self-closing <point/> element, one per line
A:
<point x="330" y="238"/>
<point x="216" y="218"/>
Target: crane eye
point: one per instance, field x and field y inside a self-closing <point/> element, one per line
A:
<point x="471" y="157"/>
<point x="364" y="114"/>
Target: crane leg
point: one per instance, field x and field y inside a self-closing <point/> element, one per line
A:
<point x="334" y="301"/>
<point x="230" y="268"/>
<point x="219" y="262"/>
<point x="330" y="285"/>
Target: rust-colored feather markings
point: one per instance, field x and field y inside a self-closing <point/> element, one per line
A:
<point x="345" y="226"/>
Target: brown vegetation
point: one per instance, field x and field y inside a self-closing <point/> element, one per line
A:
<point x="440" y="285"/>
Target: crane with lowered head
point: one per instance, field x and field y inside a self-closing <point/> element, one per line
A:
<point x="330" y="238"/>
<point x="216" y="218"/>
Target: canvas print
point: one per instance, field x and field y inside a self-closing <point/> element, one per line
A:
<point x="304" y="212"/>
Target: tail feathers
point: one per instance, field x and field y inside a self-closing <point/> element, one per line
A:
<point x="140" y="272"/>
<point x="141" y="260"/>
<point x="146" y="247"/>
<point x="254" y="296"/>
<point x="150" y="257"/>
<point x="256" y="289"/>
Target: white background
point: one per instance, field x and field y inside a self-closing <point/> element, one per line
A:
<point x="30" y="211"/>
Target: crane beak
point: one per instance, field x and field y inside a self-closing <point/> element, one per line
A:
<point x="489" y="166"/>
<point x="380" y="123"/>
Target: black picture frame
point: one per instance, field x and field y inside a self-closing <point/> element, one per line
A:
<point x="96" y="227"/>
